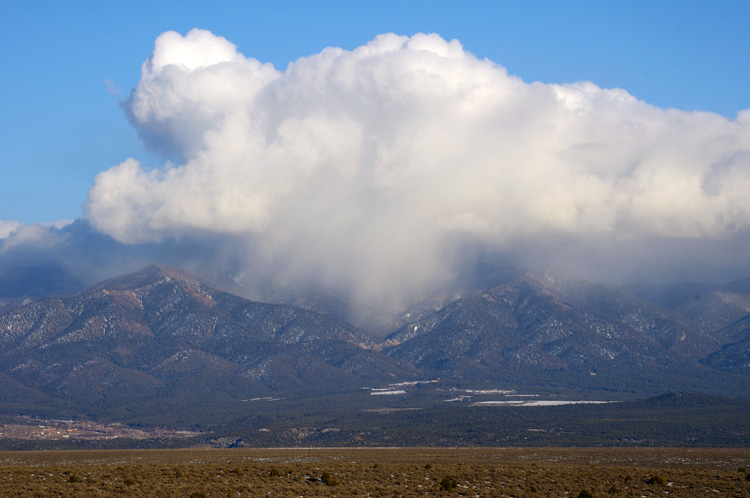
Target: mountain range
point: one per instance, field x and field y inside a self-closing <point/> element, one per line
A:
<point x="160" y="341"/>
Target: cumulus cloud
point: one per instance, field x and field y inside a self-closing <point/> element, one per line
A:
<point x="362" y="168"/>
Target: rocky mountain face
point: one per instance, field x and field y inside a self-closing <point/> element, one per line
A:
<point x="161" y="334"/>
<point x="160" y="339"/>
<point x="723" y="310"/>
<point x="550" y="327"/>
<point x="734" y="355"/>
<point x="712" y="306"/>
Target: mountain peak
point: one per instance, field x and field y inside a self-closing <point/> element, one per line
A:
<point x="552" y="279"/>
<point x="150" y="275"/>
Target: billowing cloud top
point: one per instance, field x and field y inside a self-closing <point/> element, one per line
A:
<point x="366" y="161"/>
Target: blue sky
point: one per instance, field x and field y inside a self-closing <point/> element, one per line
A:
<point x="62" y="124"/>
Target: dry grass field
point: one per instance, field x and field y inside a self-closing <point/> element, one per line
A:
<point x="499" y="472"/>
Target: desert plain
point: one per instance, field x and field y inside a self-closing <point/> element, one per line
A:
<point x="386" y="472"/>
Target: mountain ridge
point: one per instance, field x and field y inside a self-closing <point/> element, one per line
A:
<point x="160" y="337"/>
<point x="143" y="329"/>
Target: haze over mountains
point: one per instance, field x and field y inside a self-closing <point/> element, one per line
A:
<point x="160" y="340"/>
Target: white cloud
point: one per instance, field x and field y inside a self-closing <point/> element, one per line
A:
<point x="15" y="231"/>
<point x="35" y="237"/>
<point x="358" y="165"/>
<point x="7" y="227"/>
